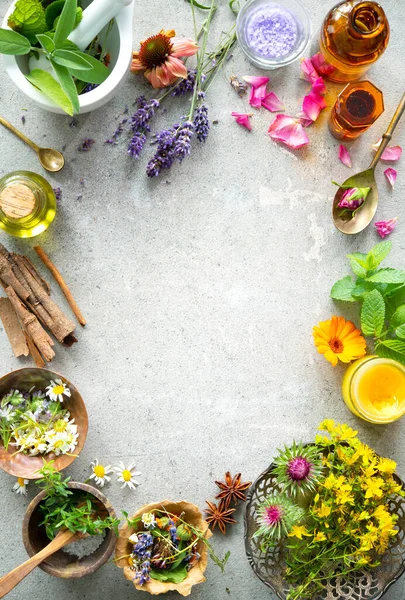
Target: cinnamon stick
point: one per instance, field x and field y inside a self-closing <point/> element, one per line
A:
<point x="13" y="328"/>
<point x="36" y="355"/>
<point x="8" y="278"/>
<point x="61" y="282"/>
<point x="32" y="326"/>
<point x="33" y="270"/>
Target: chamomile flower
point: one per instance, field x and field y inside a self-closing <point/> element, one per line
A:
<point x="20" y="486"/>
<point x="57" y="389"/>
<point x="127" y="475"/>
<point x="148" y="519"/>
<point x="100" y="473"/>
<point x="61" y="443"/>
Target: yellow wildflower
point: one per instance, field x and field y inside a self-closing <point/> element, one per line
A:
<point x="387" y="465"/>
<point x="298" y="531"/>
<point x="343" y="495"/>
<point x="327" y="425"/>
<point x="372" y="485"/>
<point x="321" y="440"/>
<point x="319" y="537"/>
<point x="363" y="561"/>
<point x="382" y="543"/>
<point x="323" y="511"/>
<point x="369" y="471"/>
<point x="363" y="516"/>
<point x="345" y="433"/>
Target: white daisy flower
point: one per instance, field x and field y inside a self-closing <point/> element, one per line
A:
<point x="57" y="389"/>
<point x="20" y="486"/>
<point x="148" y="519"/>
<point x="100" y="473"/>
<point x="62" y="442"/>
<point x="127" y="475"/>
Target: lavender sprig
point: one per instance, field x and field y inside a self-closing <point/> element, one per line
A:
<point x="185" y="85"/>
<point x="201" y="121"/>
<point x="140" y="124"/>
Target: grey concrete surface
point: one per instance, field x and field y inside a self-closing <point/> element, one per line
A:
<point x="200" y="289"/>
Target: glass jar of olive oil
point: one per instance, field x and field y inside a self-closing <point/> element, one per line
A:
<point x="27" y="204"/>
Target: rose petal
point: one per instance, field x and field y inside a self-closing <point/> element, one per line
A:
<point x="321" y="65"/>
<point x="272" y="103"/>
<point x="391" y="153"/>
<point x="319" y="87"/>
<point x="243" y="119"/>
<point x="308" y="71"/>
<point x="289" y="131"/>
<point x="257" y="95"/>
<point x="344" y="156"/>
<point x="256" y="81"/>
<point x="384" y="228"/>
<point x="303" y="119"/>
<point x="391" y="175"/>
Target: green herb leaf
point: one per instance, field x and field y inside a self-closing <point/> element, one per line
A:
<point x="97" y="74"/>
<point x="358" y="262"/>
<point x="51" y="88"/>
<point x="362" y="289"/>
<point x="67" y="84"/>
<point x="28" y="19"/>
<point x="400" y="332"/>
<point x="13" y="43"/>
<point x="398" y="318"/>
<point x="46" y="42"/>
<point x="71" y="60"/>
<point x="342" y="289"/>
<point x="173" y="575"/>
<point x="395" y="345"/>
<point x="66" y="22"/>
<point x="377" y="255"/>
<point x="360" y="258"/>
<point x="385" y="352"/>
<point x="373" y="314"/>
<point x="53" y="11"/>
<point x="388" y="276"/>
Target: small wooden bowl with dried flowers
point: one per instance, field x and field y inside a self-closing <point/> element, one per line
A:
<point x="163" y="547"/>
<point x="42" y="418"/>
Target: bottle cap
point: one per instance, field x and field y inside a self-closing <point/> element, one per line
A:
<point x="17" y="201"/>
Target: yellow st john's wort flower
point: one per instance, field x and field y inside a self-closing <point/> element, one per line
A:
<point x="298" y="531"/>
<point x="338" y="339"/>
<point x="323" y="511"/>
<point x="386" y="465"/>
<point x="372" y="485"/>
<point x="319" y="537"/>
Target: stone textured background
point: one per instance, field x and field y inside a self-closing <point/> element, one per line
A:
<point x="200" y="289"/>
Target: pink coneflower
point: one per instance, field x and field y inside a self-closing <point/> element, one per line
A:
<point x="159" y="57"/>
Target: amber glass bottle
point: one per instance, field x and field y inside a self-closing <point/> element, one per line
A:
<point x="357" y="107"/>
<point x="353" y="36"/>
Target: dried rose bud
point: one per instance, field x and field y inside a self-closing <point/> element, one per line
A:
<point x="353" y="198"/>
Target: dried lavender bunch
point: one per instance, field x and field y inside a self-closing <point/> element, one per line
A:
<point x="185" y="85"/>
<point x="201" y="121"/>
<point x="172" y="144"/>
<point x="140" y="124"/>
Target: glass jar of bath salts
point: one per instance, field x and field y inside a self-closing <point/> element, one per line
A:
<point x="273" y="34"/>
<point x="374" y="389"/>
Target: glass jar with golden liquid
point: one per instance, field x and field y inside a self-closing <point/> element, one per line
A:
<point x="27" y="204"/>
<point x="374" y="389"/>
<point x="353" y="36"/>
<point x="356" y="108"/>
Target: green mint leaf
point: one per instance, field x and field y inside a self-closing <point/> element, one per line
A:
<point x="385" y="352"/>
<point x="46" y="42"/>
<point x="373" y="314"/>
<point x="388" y="276"/>
<point x="362" y="289"/>
<point x="358" y="262"/>
<point x="360" y="258"/>
<point x="342" y="289"/>
<point x="377" y="255"/>
<point x="97" y="74"/>
<point x="66" y="21"/>
<point x="28" y="19"/>
<point x="398" y="318"/>
<point x="53" y="11"/>
<point x="400" y="332"/>
<point x="68" y="85"/>
<point x="71" y="60"/>
<point x="395" y="345"/>
<point x="14" y="43"/>
<point x="51" y="88"/>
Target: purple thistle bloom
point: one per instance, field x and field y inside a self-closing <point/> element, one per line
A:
<point x="298" y="468"/>
<point x="58" y="194"/>
<point x="201" y="123"/>
<point x="185" y="85"/>
<point x="136" y="144"/>
<point x="85" y="144"/>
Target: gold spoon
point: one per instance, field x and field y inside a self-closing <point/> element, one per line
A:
<point x="52" y="160"/>
<point x="364" y="215"/>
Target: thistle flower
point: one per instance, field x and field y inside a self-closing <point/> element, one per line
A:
<point x="298" y="469"/>
<point x="276" y="517"/>
<point x="186" y="85"/>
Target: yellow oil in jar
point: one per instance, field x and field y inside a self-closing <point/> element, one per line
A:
<point x="27" y="204"/>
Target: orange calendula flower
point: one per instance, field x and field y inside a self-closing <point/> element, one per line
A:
<point x="338" y="339"/>
<point x="159" y="58"/>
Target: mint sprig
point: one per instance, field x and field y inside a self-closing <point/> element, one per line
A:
<point x="381" y="295"/>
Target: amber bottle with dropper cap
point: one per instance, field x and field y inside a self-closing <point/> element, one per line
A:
<point x="27" y="204"/>
<point x="353" y="36"/>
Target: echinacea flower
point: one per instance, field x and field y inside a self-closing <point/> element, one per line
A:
<point x="298" y="469"/>
<point x="100" y="473"/>
<point x="384" y="228"/>
<point x="289" y="131"/>
<point x="353" y="198"/>
<point x="258" y="89"/>
<point x="127" y="475"/>
<point x="276" y="517"/>
<point x="391" y="153"/>
<point x="243" y="119"/>
<point x="338" y="339"/>
<point x="56" y="390"/>
<point x="20" y="486"/>
<point x="344" y="156"/>
<point x="159" y="57"/>
<point x="391" y="175"/>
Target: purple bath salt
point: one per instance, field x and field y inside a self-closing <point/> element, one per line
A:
<point x="271" y="31"/>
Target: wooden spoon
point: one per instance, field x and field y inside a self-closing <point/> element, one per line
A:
<point x="364" y="215"/>
<point x="9" y="581"/>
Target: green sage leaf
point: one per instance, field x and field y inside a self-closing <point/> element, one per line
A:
<point x="68" y="85"/>
<point x="71" y="60"/>
<point x="97" y="74"/>
<point x="398" y="318"/>
<point x="373" y="314"/>
<point x="13" y="43"/>
<point x="66" y="21"/>
<point x="388" y="276"/>
<point x="342" y="289"/>
<point x="51" y="88"/>
<point x="46" y="42"/>
<point x="377" y="254"/>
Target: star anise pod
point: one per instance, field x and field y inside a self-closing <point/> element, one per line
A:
<point x="215" y="515"/>
<point x="232" y="490"/>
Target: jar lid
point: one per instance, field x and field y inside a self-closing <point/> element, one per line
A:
<point x="17" y="201"/>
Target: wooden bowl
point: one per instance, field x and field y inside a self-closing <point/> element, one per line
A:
<point x="62" y="564"/>
<point x="193" y="516"/>
<point x="20" y="464"/>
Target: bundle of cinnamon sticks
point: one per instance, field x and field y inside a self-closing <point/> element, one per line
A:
<point x="28" y="313"/>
